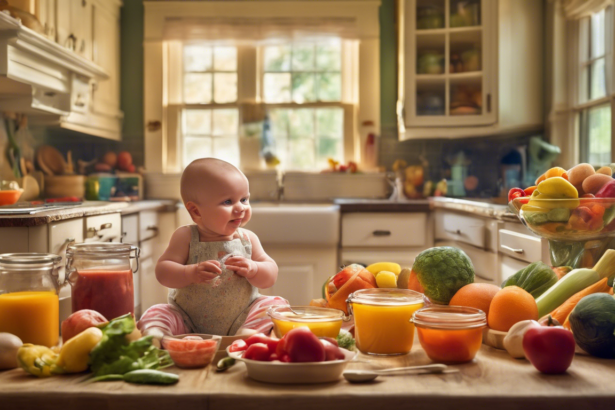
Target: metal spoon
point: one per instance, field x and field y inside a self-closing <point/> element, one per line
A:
<point x="358" y="376"/>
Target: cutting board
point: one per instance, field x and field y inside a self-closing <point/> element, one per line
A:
<point x="494" y="338"/>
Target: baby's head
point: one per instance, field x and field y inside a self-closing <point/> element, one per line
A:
<point x="216" y="195"/>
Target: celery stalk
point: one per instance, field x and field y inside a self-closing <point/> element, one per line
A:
<point x="575" y="281"/>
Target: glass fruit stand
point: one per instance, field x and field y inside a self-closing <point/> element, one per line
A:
<point x="579" y="230"/>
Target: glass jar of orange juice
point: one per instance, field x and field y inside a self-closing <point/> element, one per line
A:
<point x="101" y="277"/>
<point x="450" y="334"/>
<point x="29" y="303"/>
<point x="382" y="319"/>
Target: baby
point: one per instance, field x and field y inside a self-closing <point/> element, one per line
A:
<point x="214" y="267"/>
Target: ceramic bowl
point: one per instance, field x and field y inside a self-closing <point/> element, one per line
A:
<point x="295" y="373"/>
<point x="194" y="353"/>
<point x="9" y="197"/>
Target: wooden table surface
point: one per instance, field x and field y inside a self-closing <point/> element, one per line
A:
<point x="492" y="381"/>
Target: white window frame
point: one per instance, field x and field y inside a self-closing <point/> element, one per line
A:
<point x="578" y="104"/>
<point x="162" y="149"/>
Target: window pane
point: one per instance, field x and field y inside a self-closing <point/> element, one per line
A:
<point x="303" y="87"/>
<point x="303" y="57"/>
<point x="279" y="120"/>
<point x="301" y="154"/>
<point x="598" y="80"/>
<point x="225" y="87"/>
<point x="197" y="122"/>
<point x="197" y="88"/>
<point x="196" y="147"/>
<point x="599" y="138"/>
<point x="225" y="59"/>
<point x="277" y="87"/>
<point x="328" y="148"/>
<point x="225" y="122"/>
<point x="330" y="122"/>
<point x="597" y="34"/>
<point x="302" y="123"/>
<point x="329" y="56"/>
<point x="227" y="149"/>
<point x="277" y="58"/>
<point x="329" y="87"/>
<point x="197" y="58"/>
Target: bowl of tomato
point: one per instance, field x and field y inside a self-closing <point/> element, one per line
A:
<point x="191" y="350"/>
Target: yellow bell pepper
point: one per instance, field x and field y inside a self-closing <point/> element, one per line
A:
<point x="75" y="353"/>
<point x="37" y="360"/>
<point x="548" y="202"/>
<point x="557" y="187"/>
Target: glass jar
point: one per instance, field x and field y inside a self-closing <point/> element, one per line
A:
<point x="450" y="334"/>
<point x="101" y="277"/>
<point x="382" y="319"/>
<point x="323" y="322"/>
<point x="29" y="303"/>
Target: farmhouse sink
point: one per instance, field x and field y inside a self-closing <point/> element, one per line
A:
<point x="295" y="223"/>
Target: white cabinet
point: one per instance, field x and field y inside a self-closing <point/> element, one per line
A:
<point x="518" y="247"/>
<point x="466" y="69"/>
<point x="73" y="23"/>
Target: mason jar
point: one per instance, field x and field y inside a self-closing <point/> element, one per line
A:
<point x="101" y="277"/>
<point x="382" y="319"/>
<point x="29" y="302"/>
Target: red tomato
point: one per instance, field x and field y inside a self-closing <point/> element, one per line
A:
<point x="257" y="351"/>
<point x="238" y="346"/>
<point x="515" y="193"/>
<point x="303" y="346"/>
<point x="257" y="338"/>
<point x="549" y="349"/>
<point x="332" y="351"/>
<point x="280" y="349"/>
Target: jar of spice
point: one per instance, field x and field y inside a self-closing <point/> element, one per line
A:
<point x="29" y="303"/>
<point x="101" y="277"/>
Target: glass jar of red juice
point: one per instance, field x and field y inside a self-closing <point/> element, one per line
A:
<point x="29" y="303"/>
<point x="101" y="277"/>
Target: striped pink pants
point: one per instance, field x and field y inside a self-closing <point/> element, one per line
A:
<point x="165" y="320"/>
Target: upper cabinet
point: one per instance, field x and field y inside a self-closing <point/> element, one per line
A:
<point x="464" y="72"/>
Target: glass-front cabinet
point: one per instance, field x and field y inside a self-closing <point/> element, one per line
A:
<point x="448" y="62"/>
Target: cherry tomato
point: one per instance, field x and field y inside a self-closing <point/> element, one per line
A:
<point x="515" y="193"/>
<point x="257" y="351"/>
<point x="238" y="346"/>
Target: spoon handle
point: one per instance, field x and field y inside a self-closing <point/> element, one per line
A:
<point x="438" y="367"/>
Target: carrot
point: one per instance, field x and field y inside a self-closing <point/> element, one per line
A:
<point x="561" y="313"/>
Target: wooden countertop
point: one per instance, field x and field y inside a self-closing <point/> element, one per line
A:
<point x="494" y="381"/>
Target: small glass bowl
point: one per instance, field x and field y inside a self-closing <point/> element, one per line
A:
<point x="450" y="334"/>
<point x="191" y="351"/>
<point x="323" y="322"/>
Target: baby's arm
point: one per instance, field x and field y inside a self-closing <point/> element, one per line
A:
<point x="171" y="269"/>
<point x="261" y="271"/>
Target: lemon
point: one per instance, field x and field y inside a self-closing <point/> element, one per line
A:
<point x="374" y="268"/>
<point x="386" y="279"/>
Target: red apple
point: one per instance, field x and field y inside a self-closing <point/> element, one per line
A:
<point x="79" y="321"/>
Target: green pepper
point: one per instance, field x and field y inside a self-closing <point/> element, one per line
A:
<point x="148" y="376"/>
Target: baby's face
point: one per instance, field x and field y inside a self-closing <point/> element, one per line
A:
<point x="226" y="206"/>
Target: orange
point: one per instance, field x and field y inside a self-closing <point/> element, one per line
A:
<point x="509" y="306"/>
<point x="476" y="295"/>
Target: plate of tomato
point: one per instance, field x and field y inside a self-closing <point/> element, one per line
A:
<point x="299" y="357"/>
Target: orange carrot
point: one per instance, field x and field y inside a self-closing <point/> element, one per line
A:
<point x="561" y="313"/>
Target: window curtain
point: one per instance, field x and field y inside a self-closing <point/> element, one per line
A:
<point x="576" y="9"/>
<point x="241" y="30"/>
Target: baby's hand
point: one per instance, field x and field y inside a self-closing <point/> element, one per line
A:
<point x="204" y="271"/>
<point x="242" y="266"/>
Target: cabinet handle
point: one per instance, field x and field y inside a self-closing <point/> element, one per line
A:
<point x="489" y="102"/>
<point x="71" y="42"/>
<point x="508" y="248"/>
<point x="79" y="101"/>
<point x="455" y="232"/>
<point x="381" y="233"/>
<point x="92" y="232"/>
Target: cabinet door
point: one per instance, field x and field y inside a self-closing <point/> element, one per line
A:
<point x="449" y="62"/>
<point x="81" y="23"/>
<point x="106" y="53"/>
<point x="46" y="14"/>
<point x="63" y="26"/>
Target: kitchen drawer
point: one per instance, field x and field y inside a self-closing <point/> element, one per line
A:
<point x="130" y="229"/>
<point x="509" y="266"/>
<point x="461" y="228"/>
<point x="485" y="262"/>
<point x="103" y="228"/>
<point x="401" y="229"/>
<point x="148" y="224"/>
<point x="524" y="247"/>
<point x="146" y="249"/>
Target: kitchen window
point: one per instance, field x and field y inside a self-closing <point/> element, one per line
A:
<point x="216" y="72"/>
<point x="595" y="87"/>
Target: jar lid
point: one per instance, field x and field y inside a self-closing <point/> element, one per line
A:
<point x="305" y="314"/>
<point x="449" y="317"/>
<point x="100" y="249"/>
<point x="386" y="297"/>
<point x="30" y="258"/>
